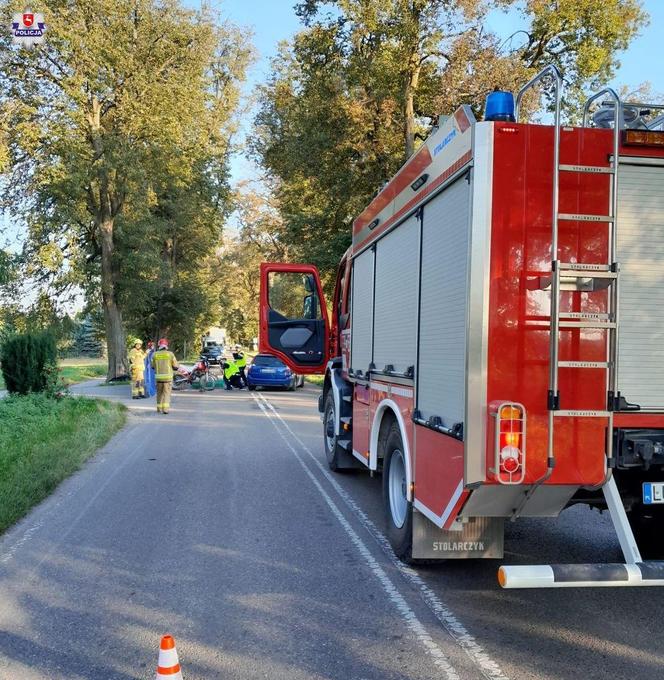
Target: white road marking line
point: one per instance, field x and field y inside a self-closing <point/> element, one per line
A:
<point x="489" y="668"/>
<point x="407" y="614"/>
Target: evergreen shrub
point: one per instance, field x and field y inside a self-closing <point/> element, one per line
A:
<point x="29" y="363"/>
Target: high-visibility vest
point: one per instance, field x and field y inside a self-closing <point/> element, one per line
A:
<point x="240" y="360"/>
<point x="230" y="370"/>
<point x="163" y="363"/>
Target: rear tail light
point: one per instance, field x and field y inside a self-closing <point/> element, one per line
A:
<point x="510" y="442"/>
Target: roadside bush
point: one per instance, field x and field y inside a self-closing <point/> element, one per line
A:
<point x="29" y="363"/>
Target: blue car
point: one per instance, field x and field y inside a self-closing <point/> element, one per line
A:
<point x="268" y="371"/>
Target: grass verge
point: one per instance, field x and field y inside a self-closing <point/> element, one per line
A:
<point x="315" y="379"/>
<point x="70" y="374"/>
<point x="43" y="441"/>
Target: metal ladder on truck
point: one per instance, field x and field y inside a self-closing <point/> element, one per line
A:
<point x="567" y="276"/>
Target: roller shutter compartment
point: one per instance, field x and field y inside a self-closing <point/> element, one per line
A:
<point x="362" y="311"/>
<point x="395" y="332"/>
<point x="640" y="252"/>
<point x="442" y="364"/>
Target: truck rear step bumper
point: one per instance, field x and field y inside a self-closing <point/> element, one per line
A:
<point x="581" y="575"/>
<point x="634" y="572"/>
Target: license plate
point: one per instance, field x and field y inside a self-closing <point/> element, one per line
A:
<point x="653" y="492"/>
<point x="269" y="370"/>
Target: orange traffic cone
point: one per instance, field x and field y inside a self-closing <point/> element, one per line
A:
<point x="168" y="665"/>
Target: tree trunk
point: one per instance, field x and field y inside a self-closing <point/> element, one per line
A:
<point x="104" y="206"/>
<point x="115" y="334"/>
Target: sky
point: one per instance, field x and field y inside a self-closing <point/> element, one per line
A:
<point x="274" y="20"/>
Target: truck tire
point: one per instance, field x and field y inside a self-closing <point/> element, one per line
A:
<point x="398" y="509"/>
<point x="333" y="452"/>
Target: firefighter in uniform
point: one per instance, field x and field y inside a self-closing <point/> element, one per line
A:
<point x="137" y="370"/>
<point x="241" y="363"/>
<point x="164" y="362"/>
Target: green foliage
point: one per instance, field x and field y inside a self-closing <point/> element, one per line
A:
<point x="581" y="37"/>
<point x="43" y="441"/>
<point x="7" y="264"/>
<point x="29" y="363"/>
<point x="41" y="315"/>
<point x="260" y="237"/>
<point x="353" y="92"/>
<point x="7" y="323"/>
<point x="87" y="340"/>
<point x="117" y="135"/>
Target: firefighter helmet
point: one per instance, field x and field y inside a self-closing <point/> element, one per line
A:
<point x="163" y="342"/>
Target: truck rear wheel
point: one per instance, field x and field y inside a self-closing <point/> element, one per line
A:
<point x="333" y="452"/>
<point x="398" y="509"/>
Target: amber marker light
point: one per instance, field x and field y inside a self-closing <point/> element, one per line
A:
<point x="502" y="577"/>
<point x="643" y="138"/>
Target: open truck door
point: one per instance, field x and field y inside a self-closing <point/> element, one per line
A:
<point x="294" y="325"/>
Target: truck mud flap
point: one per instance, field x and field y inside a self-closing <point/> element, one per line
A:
<point x="346" y="460"/>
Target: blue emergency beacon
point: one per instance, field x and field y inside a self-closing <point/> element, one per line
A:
<point x="500" y="106"/>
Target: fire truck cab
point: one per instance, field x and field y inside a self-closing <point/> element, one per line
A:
<point x="495" y="344"/>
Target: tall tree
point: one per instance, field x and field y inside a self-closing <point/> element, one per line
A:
<point x="167" y="277"/>
<point x="350" y="96"/>
<point x="122" y="94"/>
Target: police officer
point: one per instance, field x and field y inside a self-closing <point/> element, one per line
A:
<point x="164" y="363"/>
<point x="241" y="363"/>
<point x="137" y="370"/>
<point x="232" y="375"/>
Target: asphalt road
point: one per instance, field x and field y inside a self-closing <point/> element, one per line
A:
<point x="220" y="524"/>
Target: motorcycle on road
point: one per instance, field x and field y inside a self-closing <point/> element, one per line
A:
<point x="199" y="373"/>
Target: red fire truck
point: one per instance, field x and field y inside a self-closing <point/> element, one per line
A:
<point x="495" y="344"/>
